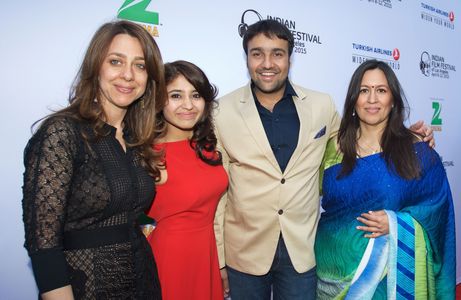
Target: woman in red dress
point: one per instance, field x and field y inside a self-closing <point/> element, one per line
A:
<point x="191" y="182"/>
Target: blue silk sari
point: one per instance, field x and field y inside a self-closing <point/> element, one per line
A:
<point x="416" y="260"/>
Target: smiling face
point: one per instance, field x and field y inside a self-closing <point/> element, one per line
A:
<point x="268" y="63"/>
<point x="374" y="103"/>
<point x="123" y="76"/>
<point x="183" y="109"/>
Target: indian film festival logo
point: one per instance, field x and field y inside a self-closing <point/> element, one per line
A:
<point x="362" y="52"/>
<point x="140" y="11"/>
<point x="437" y="16"/>
<point x="301" y="37"/>
<point x="434" y="65"/>
<point x="436" y="122"/>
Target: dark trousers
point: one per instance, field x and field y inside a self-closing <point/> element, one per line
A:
<point x="282" y="280"/>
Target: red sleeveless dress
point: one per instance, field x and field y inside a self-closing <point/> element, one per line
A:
<point x="183" y="241"/>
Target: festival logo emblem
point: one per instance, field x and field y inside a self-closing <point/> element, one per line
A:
<point x="136" y="11"/>
<point x="425" y="64"/>
<point x="242" y="28"/>
<point x="435" y="65"/>
<point x="436" y="122"/>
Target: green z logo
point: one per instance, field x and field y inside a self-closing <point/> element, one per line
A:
<point x="436" y="120"/>
<point x="135" y="10"/>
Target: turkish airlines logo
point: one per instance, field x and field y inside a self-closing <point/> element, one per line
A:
<point x="451" y="16"/>
<point x="396" y="54"/>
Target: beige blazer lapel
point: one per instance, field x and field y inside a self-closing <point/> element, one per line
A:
<point x="304" y="115"/>
<point x="253" y="122"/>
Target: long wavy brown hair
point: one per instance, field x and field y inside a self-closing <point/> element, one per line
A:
<point x="203" y="139"/>
<point x="140" y="115"/>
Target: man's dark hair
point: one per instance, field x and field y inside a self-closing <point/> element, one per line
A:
<point x="271" y="29"/>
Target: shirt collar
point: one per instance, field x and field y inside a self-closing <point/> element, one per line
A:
<point x="289" y="90"/>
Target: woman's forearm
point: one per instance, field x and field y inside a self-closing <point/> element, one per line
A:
<point x="62" y="293"/>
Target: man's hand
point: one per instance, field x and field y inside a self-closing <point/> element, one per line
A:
<point x="225" y="282"/>
<point x="425" y="131"/>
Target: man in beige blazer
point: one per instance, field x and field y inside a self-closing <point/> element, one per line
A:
<point x="266" y="223"/>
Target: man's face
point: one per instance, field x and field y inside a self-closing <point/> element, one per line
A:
<point x="268" y="63"/>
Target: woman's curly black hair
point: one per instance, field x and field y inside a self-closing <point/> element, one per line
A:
<point x="203" y="139"/>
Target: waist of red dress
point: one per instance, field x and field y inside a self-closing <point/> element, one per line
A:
<point x="178" y="226"/>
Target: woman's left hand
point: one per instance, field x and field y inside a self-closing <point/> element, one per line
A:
<point x="376" y="223"/>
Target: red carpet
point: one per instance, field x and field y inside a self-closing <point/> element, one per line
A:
<point x="458" y="292"/>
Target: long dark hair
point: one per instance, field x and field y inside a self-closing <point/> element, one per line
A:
<point x="396" y="141"/>
<point x="203" y="139"/>
<point x="140" y="115"/>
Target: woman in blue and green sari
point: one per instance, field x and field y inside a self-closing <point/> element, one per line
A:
<point x="387" y="230"/>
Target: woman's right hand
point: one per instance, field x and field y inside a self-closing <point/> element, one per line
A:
<point x="376" y="223"/>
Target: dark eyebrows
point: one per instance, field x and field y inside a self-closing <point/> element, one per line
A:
<point x="176" y="90"/>
<point x="279" y="49"/>
<point x="272" y="50"/>
<point x="255" y="49"/>
<point x="373" y="86"/>
<point x="124" y="56"/>
<point x="180" y="91"/>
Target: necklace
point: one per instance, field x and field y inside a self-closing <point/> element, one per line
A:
<point x="367" y="149"/>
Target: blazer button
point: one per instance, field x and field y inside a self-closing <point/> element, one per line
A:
<point x="280" y="211"/>
<point x="282" y="181"/>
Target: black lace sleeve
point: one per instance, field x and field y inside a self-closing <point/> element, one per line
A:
<point x="48" y="160"/>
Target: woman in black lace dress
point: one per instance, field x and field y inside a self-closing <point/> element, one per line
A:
<point x="88" y="176"/>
